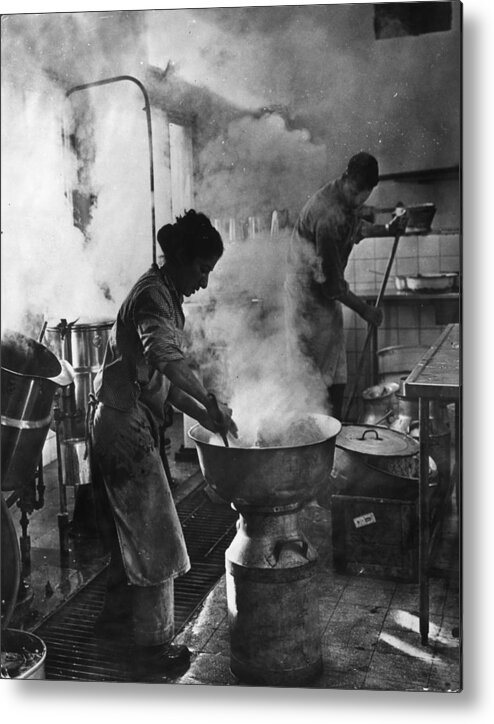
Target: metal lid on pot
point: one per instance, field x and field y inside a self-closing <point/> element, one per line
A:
<point x="375" y="440"/>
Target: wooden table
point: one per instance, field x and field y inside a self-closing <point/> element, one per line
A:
<point x="435" y="377"/>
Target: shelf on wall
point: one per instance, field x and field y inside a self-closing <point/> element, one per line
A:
<point x="427" y="175"/>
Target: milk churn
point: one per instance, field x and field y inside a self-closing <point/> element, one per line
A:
<point x="275" y="634"/>
<point x="271" y="568"/>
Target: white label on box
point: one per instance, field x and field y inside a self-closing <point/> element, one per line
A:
<point x="362" y="520"/>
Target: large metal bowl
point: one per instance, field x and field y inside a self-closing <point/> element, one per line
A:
<point x="267" y="478"/>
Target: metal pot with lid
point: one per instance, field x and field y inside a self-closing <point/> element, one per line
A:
<point x="375" y="440"/>
<point x="375" y="461"/>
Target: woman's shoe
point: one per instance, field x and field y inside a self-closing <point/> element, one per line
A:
<point x="167" y="660"/>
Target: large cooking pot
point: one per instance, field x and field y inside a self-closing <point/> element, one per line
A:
<point x="398" y="361"/>
<point x="82" y="344"/>
<point x="375" y="461"/>
<point x="31" y="375"/>
<point x="268" y="478"/>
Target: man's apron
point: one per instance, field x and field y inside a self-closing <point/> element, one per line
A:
<point x="315" y="330"/>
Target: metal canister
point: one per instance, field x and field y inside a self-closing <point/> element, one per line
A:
<point x="83" y="345"/>
<point x="379" y="403"/>
<point x="76" y="468"/>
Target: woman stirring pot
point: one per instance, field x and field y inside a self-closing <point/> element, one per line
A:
<point x="144" y="367"/>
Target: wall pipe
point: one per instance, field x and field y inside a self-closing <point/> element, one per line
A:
<point x="147" y="108"/>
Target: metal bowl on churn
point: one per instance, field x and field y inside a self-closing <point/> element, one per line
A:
<point x="270" y="476"/>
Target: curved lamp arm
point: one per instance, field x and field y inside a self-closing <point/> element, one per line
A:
<point x="147" y="108"/>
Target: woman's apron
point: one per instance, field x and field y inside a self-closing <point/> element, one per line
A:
<point x="124" y="446"/>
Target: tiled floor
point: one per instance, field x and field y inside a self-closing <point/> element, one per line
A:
<point x="51" y="580"/>
<point x="370" y="637"/>
<point x="370" y="627"/>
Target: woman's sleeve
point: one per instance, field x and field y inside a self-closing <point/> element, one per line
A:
<point x="159" y="333"/>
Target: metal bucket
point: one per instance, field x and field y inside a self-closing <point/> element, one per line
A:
<point x="31" y="375"/>
<point x="83" y="345"/>
<point x="23" y="653"/>
<point x="30" y="649"/>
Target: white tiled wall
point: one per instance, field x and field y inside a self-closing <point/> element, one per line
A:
<point x="404" y="324"/>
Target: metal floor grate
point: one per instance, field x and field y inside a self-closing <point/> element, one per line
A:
<point x="74" y="653"/>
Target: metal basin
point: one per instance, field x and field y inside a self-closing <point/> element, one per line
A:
<point x="268" y="478"/>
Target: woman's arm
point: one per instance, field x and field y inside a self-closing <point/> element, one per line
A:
<point x="181" y="376"/>
<point x="188" y="405"/>
<point x="160" y="339"/>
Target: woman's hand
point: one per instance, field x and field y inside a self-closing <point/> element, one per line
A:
<point x="211" y="415"/>
<point x="219" y="418"/>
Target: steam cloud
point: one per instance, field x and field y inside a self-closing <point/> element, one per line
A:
<point x="313" y="69"/>
<point x="54" y="270"/>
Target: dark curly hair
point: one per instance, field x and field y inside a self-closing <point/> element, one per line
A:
<point x="193" y="235"/>
<point x="363" y="170"/>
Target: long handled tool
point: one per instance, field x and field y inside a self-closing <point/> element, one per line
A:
<point x="218" y="416"/>
<point x="363" y="355"/>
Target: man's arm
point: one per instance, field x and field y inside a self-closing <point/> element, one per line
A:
<point x="335" y="287"/>
<point x="372" y="315"/>
<point x="397" y="225"/>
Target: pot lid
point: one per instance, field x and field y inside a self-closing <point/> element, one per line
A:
<point x="376" y="440"/>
